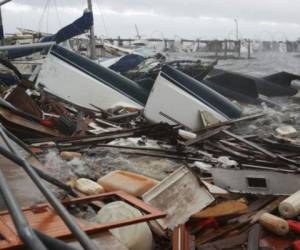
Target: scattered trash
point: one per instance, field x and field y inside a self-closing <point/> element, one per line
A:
<point x="65" y="155"/>
<point x="131" y="183"/>
<point x="274" y="224"/>
<point x="290" y="207"/>
<point x="186" y="134"/>
<point x="202" y="166"/>
<point x="225" y="208"/>
<point x="88" y="187"/>
<point x="134" y="237"/>
<point x="286" y="131"/>
<point x="180" y="195"/>
<point x="226" y="162"/>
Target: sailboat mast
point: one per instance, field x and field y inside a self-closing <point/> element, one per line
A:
<point x="137" y="32"/>
<point x="1" y="22"/>
<point x="2" y="39"/>
<point x="92" y="42"/>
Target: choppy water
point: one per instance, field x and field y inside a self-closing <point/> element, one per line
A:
<point x="261" y="64"/>
<point x="264" y="63"/>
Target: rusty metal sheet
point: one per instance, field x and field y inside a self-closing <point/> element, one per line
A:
<point x="15" y="119"/>
<point x="43" y="218"/>
<point x="22" y="101"/>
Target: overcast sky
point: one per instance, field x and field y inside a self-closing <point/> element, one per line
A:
<point x="206" y="19"/>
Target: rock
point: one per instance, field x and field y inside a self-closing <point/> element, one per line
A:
<point x="88" y="186"/>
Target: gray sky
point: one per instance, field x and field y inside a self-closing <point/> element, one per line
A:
<point x="206" y="19"/>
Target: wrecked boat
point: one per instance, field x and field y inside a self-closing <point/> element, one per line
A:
<point x="85" y="83"/>
<point x="66" y="74"/>
<point x="186" y="180"/>
<point x="178" y="99"/>
<point x="241" y="87"/>
<point x="250" y="89"/>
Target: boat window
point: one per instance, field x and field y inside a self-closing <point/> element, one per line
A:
<point x="256" y="182"/>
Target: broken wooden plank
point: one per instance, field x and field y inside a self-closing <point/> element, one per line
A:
<point x="251" y="144"/>
<point x="254" y="207"/>
<point x="226" y="243"/>
<point x="244" y="118"/>
<point x="207" y="237"/>
<point x="215" y="190"/>
<point x="206" y="135"/>
<point x="267" y="209"/>
<point x="231" y="207"/>
<point x="124" y="116"/>
<point x="229" y="150"/>
<point x="168" y="156"/>
<point x="250" y="218"/>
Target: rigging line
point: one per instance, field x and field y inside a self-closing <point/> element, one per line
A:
<point x="47" y="18"/>
<point x="42" y="16"/>
<point x="102" y="17"/>
<point x="57" y="13"/>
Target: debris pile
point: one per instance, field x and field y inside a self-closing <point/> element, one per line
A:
<point x="175" y="164"/>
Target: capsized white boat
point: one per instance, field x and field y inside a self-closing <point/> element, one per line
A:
<point x="85" y="83"/>
<point x="177" y="98"/>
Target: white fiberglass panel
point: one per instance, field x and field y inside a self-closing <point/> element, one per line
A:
<point x="68" y="82"/>
<point x="169" y="103"/>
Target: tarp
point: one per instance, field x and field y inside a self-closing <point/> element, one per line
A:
<point x="76" y="28"/>
<point x="127" y="62"/>
<point x="8" y="79"/>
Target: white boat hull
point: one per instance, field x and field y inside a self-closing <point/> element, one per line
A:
<point x="169" y="103"/>
<point x="70" y="83"/>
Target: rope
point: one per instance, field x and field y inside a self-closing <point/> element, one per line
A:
<point x="43" y="14"/>
<point x="102" y="17"/>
